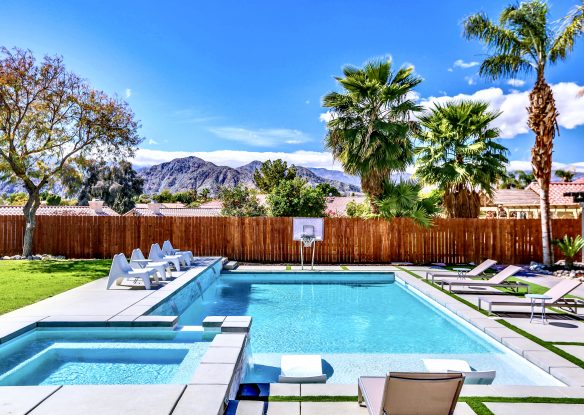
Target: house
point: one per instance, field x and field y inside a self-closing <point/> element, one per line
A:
<point x="171" y="209"/>
<point x="524" y="203"/>
<point x="95" y="208"/>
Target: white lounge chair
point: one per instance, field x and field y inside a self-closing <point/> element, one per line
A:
<point x="497" y="280"/>
<point x="121" y="270"/>
<point x="475" y="272"/>
<point x="157" y="255"/>
<point x="138" y="262"/>
<point x="167" y="249"/>
<point x="305" y="368"/>
<point x="407" y="393"/>
<point x="471" y="377"/>
<point x="556" y="294"/>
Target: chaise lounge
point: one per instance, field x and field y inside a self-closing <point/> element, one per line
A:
<point x="475" y="272"/>
<point x="556" y="294"/>
<point x="121" y="270"/>
<point x="408" y="393"/>
<point x="497" y="280"/>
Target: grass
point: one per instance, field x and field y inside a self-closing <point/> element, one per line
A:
<point x="26" y="282"/>
<point x="344" y="267"/>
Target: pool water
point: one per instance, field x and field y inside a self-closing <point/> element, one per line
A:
<point x="361" y="324"/>
<point x="101" y="356"/>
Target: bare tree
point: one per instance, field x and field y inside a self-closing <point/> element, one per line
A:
<point x="50" y="121"/>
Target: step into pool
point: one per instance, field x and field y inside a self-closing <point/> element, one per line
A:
<point x="79" y="356"/>
<point x="361" y="324"/>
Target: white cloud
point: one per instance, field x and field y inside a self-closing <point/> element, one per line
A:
<point x="471" y="80"/>
<point x="524" y="165"/>
<point x="516" y="82"/>
<point x="152" y="142"/>
<point x="513" y="120"/>
<point x="326" y="116"/>
<point x="459" y="63"/>
<point x="269" y="137"/>
<point x="128" y="92"/>
<point x="235" y="158"/>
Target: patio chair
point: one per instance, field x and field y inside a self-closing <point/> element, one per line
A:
<point x="121" y="270"/>
<point x="497" y="280"/>
<point x="471" y="377"/>
<point x="138" y="262"/>
<point x="301" y="369"/>
<point x="157" y="255"/>
<point x="410" y="393"/>
<point x="556" y="294"/>
<point x="475" y="272"/>
<point x="187" y="256"/>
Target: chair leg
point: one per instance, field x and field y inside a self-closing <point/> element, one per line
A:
<point x="360" y="396"/>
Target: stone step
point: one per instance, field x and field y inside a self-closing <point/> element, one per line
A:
<point x="231" y="265"/>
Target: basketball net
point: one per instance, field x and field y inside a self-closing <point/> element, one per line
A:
<point x="308" y="240"/>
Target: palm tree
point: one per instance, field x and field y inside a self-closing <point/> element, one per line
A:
<point x="459" y="154"/>
<point x="523" y="41"/>
<point x="565" y="175"/>
<point x="371" y="123"/>
<point x="404" y="200"/>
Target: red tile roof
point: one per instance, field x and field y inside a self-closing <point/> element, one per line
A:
<point x="557" y="190"/>
<point x="189" y="212"/>
<point x="59" y="211"/>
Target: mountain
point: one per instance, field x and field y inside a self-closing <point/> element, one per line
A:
<point x="336" y="175"/>
<point x="195" y="173"/>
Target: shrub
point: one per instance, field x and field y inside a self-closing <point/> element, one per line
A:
<point x="240" y="201"/>
<point x="296" y="198"/>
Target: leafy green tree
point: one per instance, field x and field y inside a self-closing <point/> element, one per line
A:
<point x="296" y="198"/>
<point x="117" y="185"/>
<point x="525" y="41"/>
<point x="459" y="154"/>
<point x="271" y="173"/>
<point x="143" y="198"/>
<point x="204" y="194"/>
<point x="370" y="131"/>
<point x="565" y="175"/>
<point x="17" y="199"/>
<point x="50" y="120"/>
<point x="356" y="209"/>
<point x="404" y="200"/>
<point x="165" y="196"/>
<point x="188" y="197"/>
<point x="570" y="248"/>
<point x="240" y="201"/>
<point x="51" y="198"/>
<point x="328" y="189"/>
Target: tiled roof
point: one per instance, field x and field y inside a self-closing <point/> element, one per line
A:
<point x="557" y="190"/>
<point x="212" y="204"/>
<point x="338" y="205"/>
<point x="514" y="197"/>
<point x="59" y="211"/>
<point x="174" y="212"/>
<point x="177" y="205"/>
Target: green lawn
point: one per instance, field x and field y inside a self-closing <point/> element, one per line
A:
<point x="26" y="282"/>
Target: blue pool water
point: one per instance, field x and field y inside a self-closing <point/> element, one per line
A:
<point x="101" y="356"/>
<point x="361" y="323"/>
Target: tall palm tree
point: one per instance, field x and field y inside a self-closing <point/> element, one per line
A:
<point x="565" y="175"/>
<point x="459" y="154"/>
<point x="371" y="123"/>
<point x="524" y="41"/>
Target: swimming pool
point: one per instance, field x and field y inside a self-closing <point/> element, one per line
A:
<point x="79" y="356"/>
<point x="361" y="324"/>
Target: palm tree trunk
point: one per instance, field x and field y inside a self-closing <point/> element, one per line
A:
<point x="543" y="121"/>
<point x="372" y="185"/>
<point x="30" y="209"/>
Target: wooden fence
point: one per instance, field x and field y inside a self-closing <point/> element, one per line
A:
<point x="269" y="240"/>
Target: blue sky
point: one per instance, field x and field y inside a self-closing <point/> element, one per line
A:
<point x="234" y="81"/>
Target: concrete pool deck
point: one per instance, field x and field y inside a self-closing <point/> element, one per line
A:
<point x="92" y="304"/>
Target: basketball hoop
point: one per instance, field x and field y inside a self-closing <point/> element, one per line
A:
<point x="308" y="240"/>
<point x="307" y="231"/>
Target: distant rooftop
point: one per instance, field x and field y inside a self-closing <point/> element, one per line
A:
<point x="61" y="211"/>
